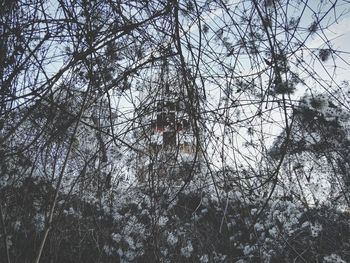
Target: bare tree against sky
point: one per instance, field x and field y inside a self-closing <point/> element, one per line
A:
<point x="71" y="73"/>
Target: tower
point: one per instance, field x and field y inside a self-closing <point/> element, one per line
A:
<point x="168" y="142"/>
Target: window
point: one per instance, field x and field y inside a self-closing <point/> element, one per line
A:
<point x="160" y="121"/>
<point x="179" y="125"/>
<point x="169" y="138"/>
<point x="171" y="106"/>
<point x="160" y="106"/>
<point x="186" y="124"/>
<point x="170" y="120"/>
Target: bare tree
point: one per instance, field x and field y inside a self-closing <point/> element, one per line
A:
<point x="82" y="82"/>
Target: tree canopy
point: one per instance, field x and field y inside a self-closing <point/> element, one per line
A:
<point x="261" y="85"/>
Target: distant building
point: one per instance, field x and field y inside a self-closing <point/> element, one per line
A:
<point x="168" y="142"/>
